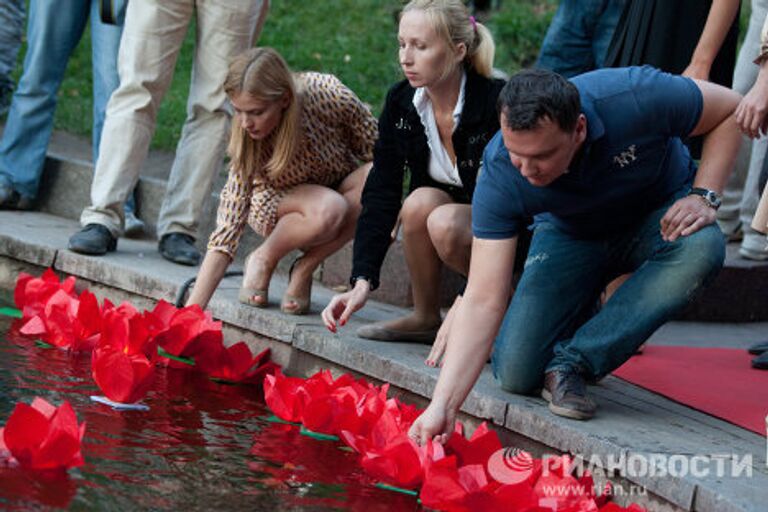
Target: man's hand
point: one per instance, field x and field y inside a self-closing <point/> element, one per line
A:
<point x="436" y="423"/>
<point x="685" y="217"/>
<point x="337" y="312"/>
<point x="752" y="109"/>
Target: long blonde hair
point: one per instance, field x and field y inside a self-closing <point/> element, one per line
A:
<point x="263" y="74"/>
<point x="452" y="22"/>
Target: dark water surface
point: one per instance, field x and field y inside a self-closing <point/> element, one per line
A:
<point x="201" y="446"/>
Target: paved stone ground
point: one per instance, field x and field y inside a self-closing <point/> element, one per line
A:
<point x="631" y="422"/>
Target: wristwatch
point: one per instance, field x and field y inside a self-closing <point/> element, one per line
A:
<point x="710" y="197"/>
<point x="353" y="280"/>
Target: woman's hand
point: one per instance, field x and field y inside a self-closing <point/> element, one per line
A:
<point x="436" y="423"/>
<point x="441" y="340"/>
<point x="752" y="109"/>
<point x="336" y="314"/>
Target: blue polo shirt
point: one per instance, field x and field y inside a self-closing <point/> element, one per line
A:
<point x="632" y="161"/>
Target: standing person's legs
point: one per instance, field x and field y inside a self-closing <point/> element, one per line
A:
<point x="52" y="35"/>
<point x="604" y="29"/>
<point x="152" y="36"/>
<point x="105" y="45"/>
<point x="11" y="32"/>
<point x="568" y="44"/>
<point x="730" y="216"/>
<point x="224" y="30"/>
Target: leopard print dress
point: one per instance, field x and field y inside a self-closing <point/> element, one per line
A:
<point x="338" y="134"/>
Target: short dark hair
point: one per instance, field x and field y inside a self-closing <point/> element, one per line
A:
<point x="535" y="94"/>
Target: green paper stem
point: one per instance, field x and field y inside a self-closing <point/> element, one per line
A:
<point x="346" y="449"/>
<point x="42" y="344"/>
<point x="180" y="359"/>
<point x="386" y="487"/>
<point x="317" y="435"/>
<point x="275" y="419"/>
<point x="12" y="312"/>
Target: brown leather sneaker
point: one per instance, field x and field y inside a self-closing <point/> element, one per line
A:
<point x="566" y="392"/>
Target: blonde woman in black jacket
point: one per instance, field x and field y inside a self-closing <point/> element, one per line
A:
<point x="435" y="124"/>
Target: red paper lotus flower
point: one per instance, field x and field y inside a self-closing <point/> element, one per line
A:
<point x="177" y="329"/>
<point x="122" y="377"/>
<point x="31" y="293"/>
<point x="127" y="330"/>
<point x="285" y="396"/>
<point x="478" y="449"/>
<point x="41" y="436"/>
<point x="233" y="364"/>
<point x="448" y="486"/>
<point x="67" y="322"/>
<point x="401" y="462"/>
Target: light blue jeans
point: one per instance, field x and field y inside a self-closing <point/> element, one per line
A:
<point x="577" y="40"/>
<point x="53" y="31"/>
<point x="551" y="322"/>
<point x="11" y="31"/>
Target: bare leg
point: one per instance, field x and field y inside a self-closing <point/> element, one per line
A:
<point x="423" y="261"/>
<point x="301" y="278"/>
<point x="450" y="229"/>
<point x="308" y="216"/>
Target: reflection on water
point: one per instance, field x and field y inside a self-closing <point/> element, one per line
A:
<point x="202" y="445"/>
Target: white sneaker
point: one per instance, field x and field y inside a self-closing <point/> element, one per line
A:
<point x="754" y="247"/>
<point x="134" y="226"/>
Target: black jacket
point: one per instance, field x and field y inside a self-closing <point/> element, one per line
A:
<point x="402" y="146"/>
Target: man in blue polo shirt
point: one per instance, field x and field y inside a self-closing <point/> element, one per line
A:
<point x="599" y="163"/>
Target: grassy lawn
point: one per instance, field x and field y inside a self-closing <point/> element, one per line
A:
<point x="353" y="39"/>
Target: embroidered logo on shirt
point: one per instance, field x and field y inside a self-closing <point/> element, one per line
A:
<point x="402" y="124"/>
<point x="626" y="157"/>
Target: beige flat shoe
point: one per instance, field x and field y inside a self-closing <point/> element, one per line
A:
<point x="247" y="296"/>
<point x="376" y="332"/>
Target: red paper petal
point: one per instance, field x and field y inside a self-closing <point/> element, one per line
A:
<point x="121" y="377"/>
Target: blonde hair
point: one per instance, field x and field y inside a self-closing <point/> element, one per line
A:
<point x="453" y="23"/>
<point x="263" y="74"/>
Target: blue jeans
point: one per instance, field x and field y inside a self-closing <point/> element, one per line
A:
<point x="578" y="37"/>
<point x="53" y="32"/>
<point x="551" y="322"/>
<point x="11" y="31"/>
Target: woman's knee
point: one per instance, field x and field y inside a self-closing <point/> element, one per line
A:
<point x="419" y="205"/>
<point x="450" y="231"/>
<point x="330" y="214"/>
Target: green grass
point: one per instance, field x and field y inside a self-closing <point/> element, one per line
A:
<point x="353" y="39"/>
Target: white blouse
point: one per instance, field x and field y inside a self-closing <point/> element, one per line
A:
<point x="441" y="168"/>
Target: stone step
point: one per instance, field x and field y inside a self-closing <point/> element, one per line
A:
<point x="737" y="295"/>
<point x="632" y="424"/>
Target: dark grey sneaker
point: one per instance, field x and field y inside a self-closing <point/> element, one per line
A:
<point x="93" y="239"/>
<point x="179" y="248"/>
<point x="566" y="392"/>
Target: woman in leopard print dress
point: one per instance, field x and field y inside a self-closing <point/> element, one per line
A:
<point x="300" y="150"/>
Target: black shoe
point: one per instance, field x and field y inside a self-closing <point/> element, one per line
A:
<point x="10" y="199"/>
<point x="758" y="348"/>
<point x="761" y="361"/>
<point x="93" y="239"/>
<point x="179" y="248"/>
<point x="566" y="392"/>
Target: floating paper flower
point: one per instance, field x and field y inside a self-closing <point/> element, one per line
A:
<point x="176" y="330"/>
<point x="123" y="377"/>
<point x="67" y="322"/>
<point x="233" y="364"/>
<point x="32" y="293"/>
<point x="41" y="436"/>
